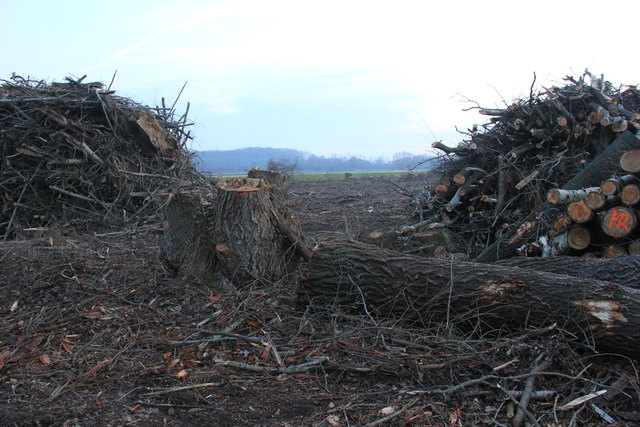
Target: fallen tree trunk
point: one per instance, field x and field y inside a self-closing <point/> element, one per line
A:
<point x="468" y="294"/>
<point x="621" y="270"/>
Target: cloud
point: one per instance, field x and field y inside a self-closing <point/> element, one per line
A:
<point x="201" y="16"/>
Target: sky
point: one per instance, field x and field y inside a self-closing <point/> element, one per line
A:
<point x="367" y="78"/>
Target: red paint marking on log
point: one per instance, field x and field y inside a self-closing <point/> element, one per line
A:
<point x="620" y="219"/>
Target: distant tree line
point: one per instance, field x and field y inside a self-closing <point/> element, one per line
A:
<point x="241" y="160"/>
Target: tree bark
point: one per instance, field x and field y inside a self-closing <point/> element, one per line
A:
<point x="622" y="270"/>
<point x="237" y="233"/>
<point x="470" y="295"/>
<point x="557" y="196"/>
<point x="276" y="180"/>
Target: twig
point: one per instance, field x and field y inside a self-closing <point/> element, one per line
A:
<point x="274" y="350"/>
<point x="216" y="337"/>
<point x="496" y="347"/>
<point x="186" y="387"/>
<point x="112" y="80"/>
<point x="520" y="408"/>
<point x="16" y="204"/>
<point x="290" y="370"/>
<point x="393" y="415"/>
<point x="70" y="194"/>
<point x="84" y="148"/>
<point x="528" y="389"/>
<point x="106" y="113"/>
<point x="177" y="98"/>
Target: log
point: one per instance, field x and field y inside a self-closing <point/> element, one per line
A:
<point x="459" y="151"/>
<point x="630" y="194"/>
<point x="612" y="186"/>
<point x="599" y="169"/>
<point x="236" y="233"/>
<point x="442" y="190"/>
<point x="619" y="124"/>
<point x="634" y="247"/>
<point x="470" y="295"/>
<point x="553" y="245"/>
<point x="630" y="161"/>
<point x="595" y="200"/>
<point x="615" y="251"/>
<point x="557" y="196"/>
<point x="579" y="237"/>
<point x="619" y="221"/>
<point x="621" y="270"/>
<point x="579" y="212"/>
<point x="605" y="163"/>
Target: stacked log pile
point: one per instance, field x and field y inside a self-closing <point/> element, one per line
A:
<point x="498" y="182"/>
<point x="75" y="152"/>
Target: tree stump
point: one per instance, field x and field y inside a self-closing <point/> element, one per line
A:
<point x="276" y="180"/>
<point x="236" y="233"/>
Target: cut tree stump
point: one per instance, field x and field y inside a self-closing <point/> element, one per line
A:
<point x="236" y="233"/>
<point x="470" y="295"/>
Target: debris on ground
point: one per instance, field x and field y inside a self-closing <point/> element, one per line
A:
<point x="495" y="183"/>
<point x="76" y="153"/>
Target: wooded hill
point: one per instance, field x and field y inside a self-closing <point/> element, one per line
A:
<point x="241" y="160"/>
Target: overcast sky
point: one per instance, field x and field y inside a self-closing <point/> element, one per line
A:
<point x="329" y="77"/>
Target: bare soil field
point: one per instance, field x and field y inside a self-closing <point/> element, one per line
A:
<point x="95" y="332"/>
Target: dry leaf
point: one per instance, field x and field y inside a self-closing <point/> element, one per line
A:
<point x="214" y="297"/>
<point x="387" y="410"/>
<point x="45" y="359"/>
<point x="4" y="355"/>
<point x="580" y="400"/>
<point x="264" y="354"/>
<point x="134" y="407"/>
<point x="172" y="363"/>
<point x="333" y="420"/>
<point x="93" y="370"/>
<point x="181" y="375"/>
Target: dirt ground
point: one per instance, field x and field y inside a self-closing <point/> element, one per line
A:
<point x="95" y="332"/>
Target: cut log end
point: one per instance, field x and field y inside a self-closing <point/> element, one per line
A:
<point x="595" y="200"/>
<point x="619" y="221"/>
<point x="580" y="212"/>
<point x="579" y="237"/>
<point x="630" y="161"/>
<point x="630" y="194"/>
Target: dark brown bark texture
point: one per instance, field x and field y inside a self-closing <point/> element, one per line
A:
<point x="623" y="270"/>
<point x="468" y="294"/>
<point x="234" y="233"/>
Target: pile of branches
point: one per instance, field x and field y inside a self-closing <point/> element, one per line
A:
<point x="501" y="172"/>
<point x="76" y="153"/>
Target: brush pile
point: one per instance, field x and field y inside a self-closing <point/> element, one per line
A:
<point x="75" y="153"/>
<point x="493" y="191"/>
